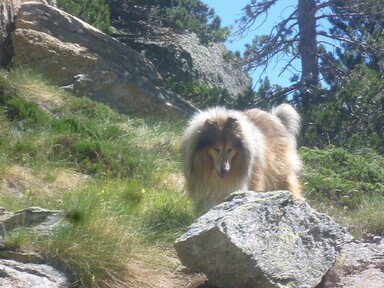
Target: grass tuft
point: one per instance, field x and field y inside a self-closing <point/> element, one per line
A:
<point x="166" y="215"/>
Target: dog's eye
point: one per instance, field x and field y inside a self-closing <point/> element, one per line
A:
<point x="229" y="150"/>
<point x="217" y="150"/>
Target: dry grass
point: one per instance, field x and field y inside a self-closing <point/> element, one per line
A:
<point x="27" y="185"/>
<point x="36" y="89"/>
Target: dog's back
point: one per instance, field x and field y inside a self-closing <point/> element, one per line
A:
<point x="280" y="128"/>
<point x="285" y="114"/>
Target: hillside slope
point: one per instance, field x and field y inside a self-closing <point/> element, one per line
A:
<point x="118" y="178"/>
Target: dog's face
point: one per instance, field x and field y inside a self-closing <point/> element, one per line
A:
<point x="221" y="143"/>
<point x="222" y="155"/>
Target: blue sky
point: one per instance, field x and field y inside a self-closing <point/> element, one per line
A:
<point x="230" y="10"/>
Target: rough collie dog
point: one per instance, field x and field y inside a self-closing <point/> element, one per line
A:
<point x="226" y="150"/>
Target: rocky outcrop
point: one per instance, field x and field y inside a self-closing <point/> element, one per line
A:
<point x="25" y="268"/>
<point x="8" y="12"/>
<point x="38" y="218"/>
<point x="360" y="264"/>
<point x="30" y="275"/>
<point x="91" y="63"/>
<point x="177" y="56"/>
<point x="262" y="240"/>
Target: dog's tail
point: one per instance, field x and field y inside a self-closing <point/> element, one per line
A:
<point x="289" y="117"/>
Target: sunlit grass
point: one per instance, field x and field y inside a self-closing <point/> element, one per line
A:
<point x="347" y="185"/>
<point x="109" y="172"/>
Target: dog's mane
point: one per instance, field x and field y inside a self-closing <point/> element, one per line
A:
<point x="266" y="159"/>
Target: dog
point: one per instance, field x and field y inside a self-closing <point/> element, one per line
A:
<point x="226" y="150"/>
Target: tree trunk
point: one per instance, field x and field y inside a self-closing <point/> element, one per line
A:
<point x="307" y="49"/>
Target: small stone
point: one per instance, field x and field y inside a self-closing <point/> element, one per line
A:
<point x="376" y="239"/>
<point x="183" y="269"/>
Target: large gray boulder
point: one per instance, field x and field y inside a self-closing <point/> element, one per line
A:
<point x="262" y="240"/>
<point x="93" y="64"/>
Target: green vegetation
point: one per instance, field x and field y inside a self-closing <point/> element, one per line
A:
<point x="119" y="178"/>
<point x="94" y="12"/>
<point x="194" y="15"/>
<point x="180" y="15"/>
<point x="338" y="87"/>
<point x="199" y="93"/>
<point x="350" y="114"/>
<point x="349" y="186"/>
<point x="188" y="15"/>
<point x="344" y="178"/>
<point x="203" y="96"/>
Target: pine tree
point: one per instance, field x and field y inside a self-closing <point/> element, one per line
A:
<point x="94" y="12"/>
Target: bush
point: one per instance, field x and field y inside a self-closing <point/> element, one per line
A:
<point x="342" y="178"/>
<point x="187" y="15"/>
<point x="350" y="114"/>
<point x="94" y="12"/>
<point x="348" y="186"/>
<point x="199" y="93"/>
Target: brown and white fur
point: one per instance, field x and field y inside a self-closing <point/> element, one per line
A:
<point x="226" y="150"/>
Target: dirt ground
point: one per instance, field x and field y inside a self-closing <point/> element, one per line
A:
<point x="174" y="278"/>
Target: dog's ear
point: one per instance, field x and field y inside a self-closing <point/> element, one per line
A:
<point x="209" y="123"/>
<point x="231" y="123"/>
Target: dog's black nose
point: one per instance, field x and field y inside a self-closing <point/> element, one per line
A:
<point x="224" y="170"/>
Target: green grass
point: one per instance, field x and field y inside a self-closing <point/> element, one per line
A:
<point x="110" y="172"/>
<point x="344" y="177"/>
<point x="119" y="178"/>
<point x="347" y="185"/>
